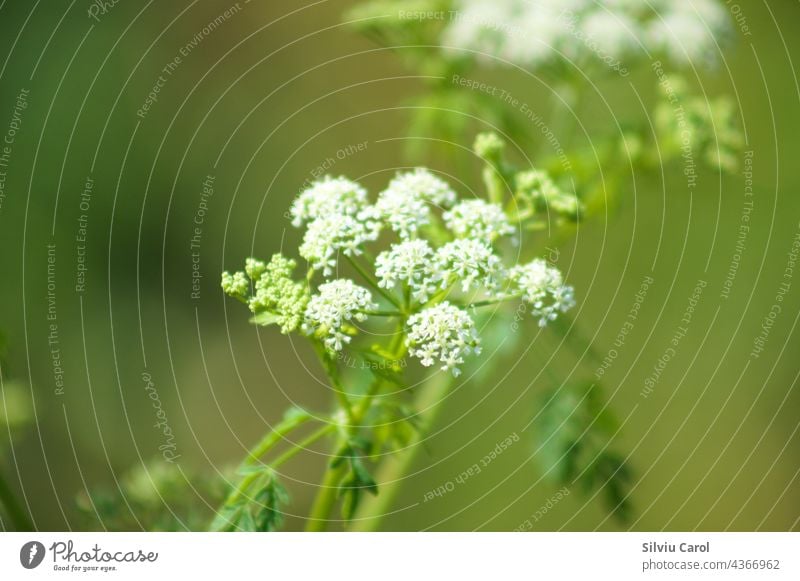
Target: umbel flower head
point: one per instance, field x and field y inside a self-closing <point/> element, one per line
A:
<point x="411" y="262"/>
<point x="333" y="233"/>
<point x="444" y="261"/>
<point x="328" y="196"/>
<point x="470" y="263"/>
<point x="443" y="333"/>
<point x="405" y="204"/>
<point x="542" y="286"/>
<point x="337" y="303"/>
<point x="478" y="219"/>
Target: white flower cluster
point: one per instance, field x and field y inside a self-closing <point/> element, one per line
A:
<point x="478" y="219"/>
<point x="471" y="262"/>
<point x="539" y="32"/>
<point x="412" y="262"/>
<point x="467" y="261"/>
<point x="340" y="219"/>
<point x="405" y="204"/>
<point x="442" y="333"/>
<point x="328" y="196"/>
<point x="333" y="233"/>
<point x="337" y="303"/>
<point x="543" y="287"/>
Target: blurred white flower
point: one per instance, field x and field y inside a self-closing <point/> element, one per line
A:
<point x="543" y="287"/>
<point x="328" y="196"/>
<point x="411" y="262"/>
<point x="540" y="32"/>
<point x="337" y="303"/>
<point x="442" y="333"/>
<point x="688" y="32"/>
<point x="478" y="219"/>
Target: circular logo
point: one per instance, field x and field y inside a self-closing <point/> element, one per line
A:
<point x="31" y="554"/>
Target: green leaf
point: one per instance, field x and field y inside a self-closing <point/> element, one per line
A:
<point x="247" y="523"/>
<point x="574" y="430"/>
<point x="264" y="319"/>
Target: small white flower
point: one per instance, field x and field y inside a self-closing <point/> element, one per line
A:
<point x="404" y="212"/>
<point x="470" y="262"/>
<point x="404" y="204"/>
<point x="337" y="303"/>
<point x="442" y="333"/>
<point x="328" y="196"/>
<point x="543" y="287"/>
<point x="411" y="262"/>
<point x="478" y="219"/>
<point x="334" y="232"/>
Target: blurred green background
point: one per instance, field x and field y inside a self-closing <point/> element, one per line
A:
<point x="259" y="104"/>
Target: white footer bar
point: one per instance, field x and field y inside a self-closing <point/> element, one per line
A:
<point x="401" y="556"/>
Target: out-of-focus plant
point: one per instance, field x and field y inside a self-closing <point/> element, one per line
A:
<point x="575" y="430"/>
<point x="447" y="260"/>
<point x="568" y="45"/>
<point x="16" y="413"/>
<point x="155" y="496"/>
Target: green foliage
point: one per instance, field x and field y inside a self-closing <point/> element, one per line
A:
<point x="691" y="125"/>
<point x="357" y="479"/>
<point x="256" y="504"/>
<point x="276" y="299"/>
<point x="16" y="410"/>
<point x="394" y="425"/>
<point x="574" y="435"/>
<point x="157" y="496"/>
<point x="536" y="199"/>
<point x="386" y="23"/>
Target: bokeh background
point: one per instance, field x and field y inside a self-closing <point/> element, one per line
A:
<point x="259" y="104"/>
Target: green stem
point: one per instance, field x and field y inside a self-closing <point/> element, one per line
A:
<point x="270" y="440"/>
<point x="252" y="457"/>
<point x="373" y="283"/>
<point x="489" y="302"/>
<point x="382" y="313"/>
<point x="391" y="472"/>
<point x="326" y="499"/>
<point x="328" y="493"/>
<point x="303" y="444"/>
<point x="15" y="512"/>
<point x="333" y="374"/>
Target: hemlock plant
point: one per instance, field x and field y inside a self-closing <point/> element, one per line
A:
<point x="418" y="283"/>
<point x="401" y="276"/>
<point x="418" y="278"/>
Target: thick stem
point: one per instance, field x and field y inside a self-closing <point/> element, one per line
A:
<point x="15" y="512"/>
<point x="391" y="473"/>
<point x="271" y="439"/>
<point x="327" y="496"/>
<point x="302" y="445"/>
<point x="326" y="499"/>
